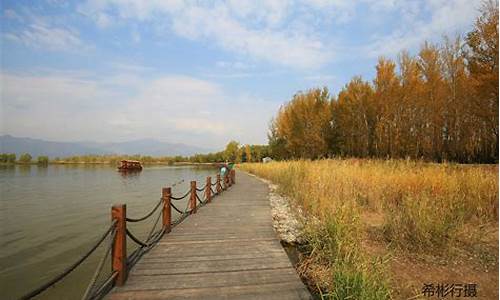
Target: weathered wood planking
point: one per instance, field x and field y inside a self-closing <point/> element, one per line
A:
<point x="227" y="250"/>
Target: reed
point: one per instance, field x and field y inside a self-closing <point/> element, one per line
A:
<point x="424" y="207"/>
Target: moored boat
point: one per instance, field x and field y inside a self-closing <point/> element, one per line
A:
<point x="130" y="165"/>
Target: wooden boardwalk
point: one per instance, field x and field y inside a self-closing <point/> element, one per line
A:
<point x="227" y="250"/>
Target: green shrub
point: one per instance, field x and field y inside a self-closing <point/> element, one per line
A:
<point x="25" y="158"/>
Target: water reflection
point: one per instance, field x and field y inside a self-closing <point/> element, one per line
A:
<point x="42" y="170"/>
<point x="49" y="214"/>
<point x="24" y="169"/>
<point x="130" y="173"/>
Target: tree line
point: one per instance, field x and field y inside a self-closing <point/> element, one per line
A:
<point x="25" y="158"/>
<point x="233" y="152"/>
<point x="441" y="104"/>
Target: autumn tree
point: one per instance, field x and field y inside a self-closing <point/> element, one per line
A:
<point x="248" y="153"/>
<point x="232" y="151"/>
<point x="483" y="66"/>
<point x="388" y="106"/>
<point x="302" y="125"/>
<point x="355" y="118"/>
<point x="440" y="104"/>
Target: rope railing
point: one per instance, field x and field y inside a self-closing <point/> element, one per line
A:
<point x="92" y="285"/>
<point x="146" y="216"/>
<point x="118" y="233"/>
<point x="182" y="197"/>
<point x="72" y="267"/>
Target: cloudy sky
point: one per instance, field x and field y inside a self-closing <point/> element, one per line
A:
<point x="195" y="72"/>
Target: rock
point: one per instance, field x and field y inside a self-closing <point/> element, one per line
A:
<point x="285" y="221"/>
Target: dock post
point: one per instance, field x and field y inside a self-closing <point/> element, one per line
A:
<point x="208" y="189"/>
<point x="233" y="176"/>
<point x="119" y="252"/>
<point x="192" y="200"/>
<point x="225" y="183"/>
<point x="219" y="187"/>
<point x="167" y="209"/>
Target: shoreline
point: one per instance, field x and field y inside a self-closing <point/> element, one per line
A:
<point x="107" y="163"/>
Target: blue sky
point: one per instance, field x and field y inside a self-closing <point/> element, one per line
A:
<point x="195" y="72"/>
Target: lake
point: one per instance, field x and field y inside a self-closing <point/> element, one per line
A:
<point x="50" y="216"/>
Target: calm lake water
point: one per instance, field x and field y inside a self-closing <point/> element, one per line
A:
<point x="51" y="215"/>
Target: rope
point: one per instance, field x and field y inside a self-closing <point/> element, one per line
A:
<point x="103" y="289"/>
<point x="213" y="192"/>
<point x="180" y="198"/>
<point x="154" y="226"/>
<point x="180" y="219"/>
<point x="70" y="268"/>
<point x="202" y="189"/>
<point x="134" y="257"/>
<point x="98" y="270"/>
<point x="146" y="216"/>
<point x="201" y="202"/>
<point x="176" y="209"/>
<point x="135" y="239"/>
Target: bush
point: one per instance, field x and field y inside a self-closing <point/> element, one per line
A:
<point x="8" y="158"/>
<point x="43" y="160"/>
<point x="25" y="158"/>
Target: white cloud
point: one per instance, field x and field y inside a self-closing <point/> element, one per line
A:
<point x="445" y="17"/>
<point x="47" y="37"/>
<point x="126" y="106"/>
<point x="39" y="31"/>
<point x="257" y="31"/>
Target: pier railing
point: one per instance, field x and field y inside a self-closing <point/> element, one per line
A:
<point x="117" y="233"/>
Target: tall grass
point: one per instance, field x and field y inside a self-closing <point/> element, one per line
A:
<point x="424" y="208"/>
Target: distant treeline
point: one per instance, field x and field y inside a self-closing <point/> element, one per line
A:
<point x="233" y="152"/>
<point x="25" y="158"/>
<point x="441" y="104"/>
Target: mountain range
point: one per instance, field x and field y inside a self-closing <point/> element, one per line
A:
<point x="36" y="147"/>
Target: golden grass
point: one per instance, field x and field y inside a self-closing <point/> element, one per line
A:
<point x="424" y="204"/>
<point x="424" y="208"/>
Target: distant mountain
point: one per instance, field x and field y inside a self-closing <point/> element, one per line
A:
<point x="148" y="147"/>
<point x="36" y="147"/>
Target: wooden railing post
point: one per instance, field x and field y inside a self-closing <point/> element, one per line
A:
<point x="167" y="209"/>
<point x="208" y="189"/>
<point x="193" y="197"/>
<point x="225" y="182"/>
<point x="233" y="176"/>
<point x="119" y="253"/>
<point x="219" y="187"/>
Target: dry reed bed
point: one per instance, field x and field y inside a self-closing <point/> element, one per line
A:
<point x="425" y="208"/>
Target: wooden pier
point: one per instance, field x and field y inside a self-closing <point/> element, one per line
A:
<point x="226" y="250"/>
<point x="220" y="246"/>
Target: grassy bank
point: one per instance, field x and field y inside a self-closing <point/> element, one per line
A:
<point x="353" y="208"/>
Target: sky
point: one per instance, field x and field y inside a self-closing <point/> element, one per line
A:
<point x="194" y="72"/>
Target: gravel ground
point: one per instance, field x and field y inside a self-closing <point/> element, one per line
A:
<point x="285" y="221"/>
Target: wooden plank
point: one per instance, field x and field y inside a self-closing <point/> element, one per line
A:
<point x="169" y="258"/>
<point x="284" y="290"/>
<point x="227" y="250"/>
<point x="223" y="265"/>
<point x="231" y="278"/>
